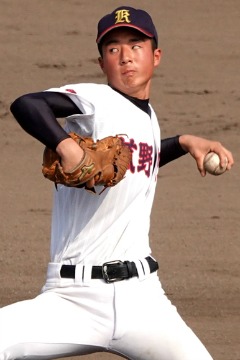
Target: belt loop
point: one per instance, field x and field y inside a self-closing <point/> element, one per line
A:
<point x="140" y="270"/>
<point x="146" y="267"/>
<point x="79" y="273"/>
<point x="86" y="273"/>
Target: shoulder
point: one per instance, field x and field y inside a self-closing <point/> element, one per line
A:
<point x="83" y="88"/>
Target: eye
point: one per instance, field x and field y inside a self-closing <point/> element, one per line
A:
<point x="136" y="46"/>
<point x="113" y="50"/>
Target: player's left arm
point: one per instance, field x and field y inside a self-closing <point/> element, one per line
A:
<point x="170" y="150"/>
<point x="199" y="147"/>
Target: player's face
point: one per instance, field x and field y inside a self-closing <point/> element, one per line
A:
<point x="128" y="60"/>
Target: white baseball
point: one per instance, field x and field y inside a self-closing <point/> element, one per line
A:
<point x="212" y="164"/>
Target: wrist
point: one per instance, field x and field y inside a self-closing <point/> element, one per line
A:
<point x="70" y="153"/>
<point x="183" y="141"/>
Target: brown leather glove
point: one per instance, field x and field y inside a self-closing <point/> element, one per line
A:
<point x="104" y="162"/>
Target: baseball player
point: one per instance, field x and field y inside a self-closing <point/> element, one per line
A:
<point x="102" y="290"/>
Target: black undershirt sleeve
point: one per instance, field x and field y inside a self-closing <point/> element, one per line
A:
<point x="37" y="114"/>
<point x="170" y="150"/>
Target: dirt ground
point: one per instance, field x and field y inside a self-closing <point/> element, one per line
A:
<point x="195" y="221"/>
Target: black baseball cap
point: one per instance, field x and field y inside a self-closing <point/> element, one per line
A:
<point x="125" y="16"/>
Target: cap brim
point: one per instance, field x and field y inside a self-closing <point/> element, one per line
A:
<point x="123" y="25"/>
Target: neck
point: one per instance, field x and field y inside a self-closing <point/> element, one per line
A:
<point x="142" y="104"/>
<point x="142" y="94"/>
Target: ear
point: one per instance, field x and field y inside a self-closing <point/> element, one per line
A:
<point x="157" y="56"/>
<point x="101" y="64"/>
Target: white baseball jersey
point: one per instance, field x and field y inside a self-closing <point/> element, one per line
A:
<point x="77" y="316"/>
<point x="92" y="229"/>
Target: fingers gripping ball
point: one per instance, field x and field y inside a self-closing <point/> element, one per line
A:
<point x="212" y="164"/>
<point x="104" y="162"/>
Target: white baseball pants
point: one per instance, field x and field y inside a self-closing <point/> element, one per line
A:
<point x="132" y="318"/>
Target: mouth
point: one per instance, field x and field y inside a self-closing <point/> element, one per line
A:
<point x="128" y="72"/>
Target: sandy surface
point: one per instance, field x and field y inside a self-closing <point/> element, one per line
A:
<point x="195" y="221"/>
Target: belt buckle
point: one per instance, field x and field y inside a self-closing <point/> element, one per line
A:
<point x="105" y="274"/>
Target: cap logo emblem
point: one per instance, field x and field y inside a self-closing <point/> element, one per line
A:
<point x="122" y="16"/>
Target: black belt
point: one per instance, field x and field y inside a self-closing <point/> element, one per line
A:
<point x="110" y="271"/>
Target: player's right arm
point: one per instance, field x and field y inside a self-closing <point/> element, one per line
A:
<point x="37" y="114"/>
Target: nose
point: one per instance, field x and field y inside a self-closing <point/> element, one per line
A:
<point x="126" y="56"/>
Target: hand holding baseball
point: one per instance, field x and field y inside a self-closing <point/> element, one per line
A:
<point x="199" y="148"/>
<point x="212" y="164"/>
